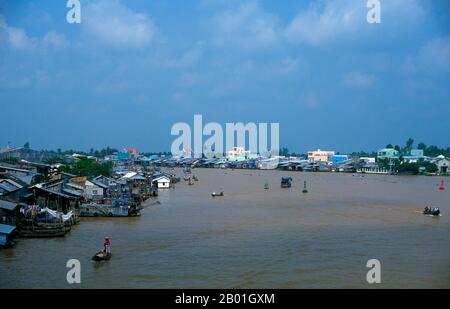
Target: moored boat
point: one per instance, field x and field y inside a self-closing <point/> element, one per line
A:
<point x="268" y="164"/>
<point x="36" y="222"/>
<point x="36" y="229"/>
<point x="109" y="208"/>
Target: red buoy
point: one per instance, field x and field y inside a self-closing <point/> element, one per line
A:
<point x="441" y="187"/>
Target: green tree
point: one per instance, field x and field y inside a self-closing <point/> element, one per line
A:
<point x="11" y="160"/>
<point x="284" y="152"/>
<point x="409" y="144"/>
<point x="407" y="168"/>
<point x="89" y="167"/>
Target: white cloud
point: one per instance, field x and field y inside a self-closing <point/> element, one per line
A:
<point x="311" y="100"/>
<point x="246" y="27"/>
<point x="358" y="80"/>
<point x="17" y="38"/>
<point x="345" y="20"/>
<point x="189" y="58"/>
<point x="112" y="23"/>
<point x="289" y="65"/>
<point x="9" y="82"/>
<point x="14" y="37"/>
<point x="432" y="57"/>
<point x="110" y="86"/>
<point x="55" y="40"/>
<point x="189" y="79"/>
<point x="435" y="55"/>
<point x="326" y="22"/>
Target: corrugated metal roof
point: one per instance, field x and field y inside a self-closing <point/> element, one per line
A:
<point x="11" y="182"/>
<point x="6" y="229"/>
<point x="100" y="184"/>
<point x="17" y="170"/>
<point x="129" y="175"/>
<point x="54" y="192"/>
<point x="6" y="188"/>
<point x="7" y="205"/>
<point x="74" y="185"/>
<point x="160" y="178"/>
<point x="72" y="192"/>
<point x="138" y="177"/>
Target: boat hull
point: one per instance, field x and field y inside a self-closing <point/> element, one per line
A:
<point x="44" y="232"/>
<point x="268" y="164"/>
<point x="106" y="211"/>
<point x="432" y="213"/>
<point x="100" y="257"/>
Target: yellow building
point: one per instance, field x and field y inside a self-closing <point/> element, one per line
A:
<point x="320" y="155"/>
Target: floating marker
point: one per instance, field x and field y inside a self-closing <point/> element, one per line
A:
<point x="304" y="188"/>
<point x="441" y="187"/>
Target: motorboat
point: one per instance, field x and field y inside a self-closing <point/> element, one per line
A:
<point x="433" y="211"/>
<point x="286" y="182"/>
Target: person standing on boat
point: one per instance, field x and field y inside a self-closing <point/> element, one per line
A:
<point x="107" y="245"/>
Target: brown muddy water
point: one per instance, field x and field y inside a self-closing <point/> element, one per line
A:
<point x="256" y="238"/>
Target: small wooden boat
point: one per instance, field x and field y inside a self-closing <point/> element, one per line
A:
<point x="286" y="182"/>
<point x="214" y="194"/>
<point x="433" y="211"/>
<point x="101" y="256"/>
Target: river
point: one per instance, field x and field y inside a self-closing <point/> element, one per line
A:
<point x="255" y="238"/>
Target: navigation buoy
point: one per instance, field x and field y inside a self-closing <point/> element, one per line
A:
<point x="304" y="188"/>
<point x="441" y="187"/>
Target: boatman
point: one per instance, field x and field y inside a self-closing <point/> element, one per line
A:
<point x="107" y="245"/>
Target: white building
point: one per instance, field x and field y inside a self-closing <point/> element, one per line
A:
<point x="367" y="159"/>
<point x="238" y="154"/>
<point x="320" y="155"/>
<point x="443" y="165"/>
<point x="92" y="190"/>
<point x="162" y="182"/>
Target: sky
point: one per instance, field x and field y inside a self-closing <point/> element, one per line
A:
<point x="132" y="69"/>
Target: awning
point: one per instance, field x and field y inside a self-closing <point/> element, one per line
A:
<point x="6" y="229"/>
<point x="7" y="205"/>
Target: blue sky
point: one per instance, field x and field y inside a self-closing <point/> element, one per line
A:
<point x="133" y="68"/>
